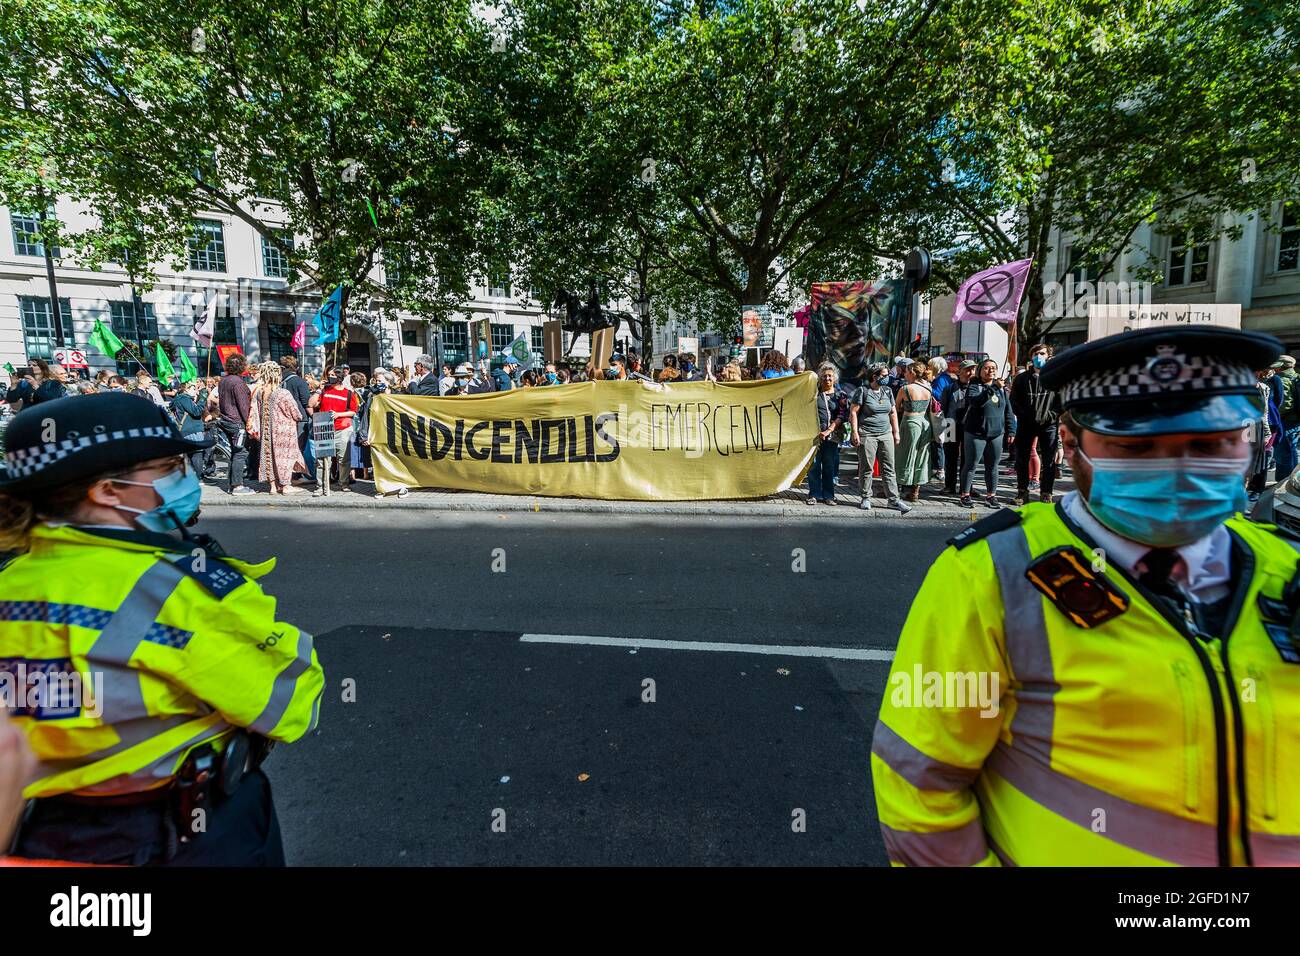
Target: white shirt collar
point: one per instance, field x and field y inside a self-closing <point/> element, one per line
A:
<point x="1203" y="575"/>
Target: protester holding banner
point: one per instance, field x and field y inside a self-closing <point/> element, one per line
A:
<point x="774" y="364"/>
<point x="912" y="455"/>
<point x="426" y="378"/>
<point x="832" y="413"/>
<point x="503" y="377"/>
<point x="987" y="420"/>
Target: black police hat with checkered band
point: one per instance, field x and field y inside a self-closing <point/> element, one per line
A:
<point x="82" y="436"/>
<point x="1190" y="379"/>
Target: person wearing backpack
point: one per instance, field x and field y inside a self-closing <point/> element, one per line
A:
<point x="1288" y="404"/>
<point x="188" y="416"/>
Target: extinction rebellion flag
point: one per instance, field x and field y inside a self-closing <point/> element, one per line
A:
<point x="992" y="295"/>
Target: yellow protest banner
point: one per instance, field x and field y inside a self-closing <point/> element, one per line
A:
<point x="614" y="440"/>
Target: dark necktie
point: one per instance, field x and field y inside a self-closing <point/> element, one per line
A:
<point x="1159" y="579"/>
<point x="1159" y="573"/>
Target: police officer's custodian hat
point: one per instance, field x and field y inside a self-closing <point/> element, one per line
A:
<point x="1164" y="381"/>
<point x="55" y="442"/>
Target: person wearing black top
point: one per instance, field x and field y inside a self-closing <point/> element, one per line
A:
<point x="425" y="380"/>
<point x="189" y="419"/>
<point x="954" y="407"/>
<point x="986" y="420"/>
<point x="1037" y="412"/>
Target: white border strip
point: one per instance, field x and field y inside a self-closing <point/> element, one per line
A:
<point x="780" y="650"/>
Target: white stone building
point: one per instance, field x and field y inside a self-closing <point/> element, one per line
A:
<point x="1260" y="271"/>
<point x="259" y="308"/>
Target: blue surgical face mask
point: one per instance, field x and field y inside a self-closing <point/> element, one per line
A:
<point x="1040" y="360"/>
<point x="180" y="492"/>
<point x="1166" y="502"/>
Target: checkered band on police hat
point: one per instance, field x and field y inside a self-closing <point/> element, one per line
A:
<point x="1168" y="374"/>
<point x="85" y="436"/>
<point x="22" y="462"/>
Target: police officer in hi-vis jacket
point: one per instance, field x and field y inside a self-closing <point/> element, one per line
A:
<point x="1143" y="635"/>
<point x="151" y="669"/>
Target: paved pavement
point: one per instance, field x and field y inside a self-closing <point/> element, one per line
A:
<point x="500" y="663"/>
<point x="935" y="503"/>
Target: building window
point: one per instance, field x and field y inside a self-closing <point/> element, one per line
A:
<point x="502" y="336"/>
<point x="1288" y="246"/>
<point x="274" y="263"/>
<point x="410" y="337"/>
<point x="535" y="339"/>
<point x="207" y="247"/>
<point x="278" y="338"/>
<point x="134" y="326"/>
<point x="392" y="272"/>
<point x="27" y="233"/>
<point x="223" y="333"/>
<point x="38" y="326"/>
<point x="455" y="343"/>
<point x="1188" y="263"/>
<point x="498" y="284"/>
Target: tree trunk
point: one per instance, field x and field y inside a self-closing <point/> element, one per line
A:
<point x="646" y="341"/>
<point x="341" y="346"/>
<point x="56" y="314"/>
<point x="1029" y="330"/>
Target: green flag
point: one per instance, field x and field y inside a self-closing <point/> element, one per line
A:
<point x="165" y="371"/>
<point x="102" y="338"/>
<point x="188" y="372"/>
<point x="9" y="367"/>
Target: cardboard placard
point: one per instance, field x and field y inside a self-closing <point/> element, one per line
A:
<point x="553" y="340"/>
<point x="602" y="346"/>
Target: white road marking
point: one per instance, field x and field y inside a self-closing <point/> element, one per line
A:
<point x="780" y="650"/>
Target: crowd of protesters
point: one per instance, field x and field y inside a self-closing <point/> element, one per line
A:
<point x="913" y="423"/>
<point x="916" y="422"/>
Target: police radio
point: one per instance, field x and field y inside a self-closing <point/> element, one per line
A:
<point x="1066" y="577"/>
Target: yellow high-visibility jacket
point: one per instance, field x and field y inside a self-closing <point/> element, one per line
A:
<point x="173" y="649"/>
<point x="1129" y="743"/>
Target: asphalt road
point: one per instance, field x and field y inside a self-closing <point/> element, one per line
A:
<point x="469" y="745"/>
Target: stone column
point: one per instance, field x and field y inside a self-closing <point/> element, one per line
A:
<point x="1234" y="274"/>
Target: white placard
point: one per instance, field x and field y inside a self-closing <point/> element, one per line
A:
<point x="70" y="358"/>
<point x="789" y="342"/>
<point x="1106" y="320"/>
<point x="688" y="346"/>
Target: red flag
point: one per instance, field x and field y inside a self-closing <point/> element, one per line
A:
<point x="225" y="351"/>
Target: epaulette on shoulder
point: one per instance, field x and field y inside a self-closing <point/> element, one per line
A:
<point x="217" y="577"/>
<point x="998" y="521"/>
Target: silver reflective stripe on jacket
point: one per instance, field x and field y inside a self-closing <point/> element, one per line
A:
<point x="917" y="768"/>
<point x="1027" y="645"/>
<point x="964" y="846"/>
<point x="1147" y="830"/>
